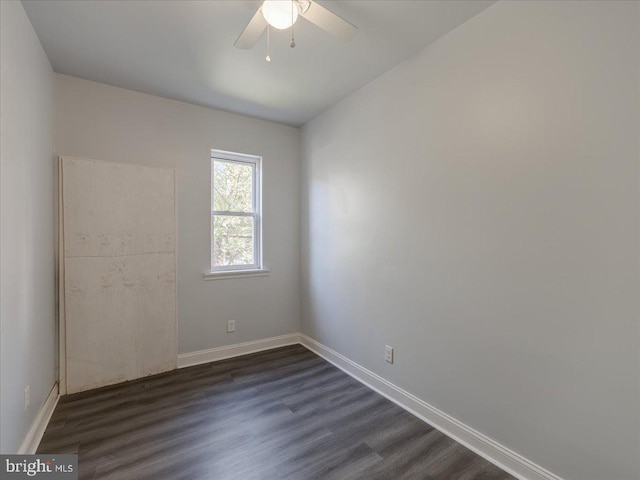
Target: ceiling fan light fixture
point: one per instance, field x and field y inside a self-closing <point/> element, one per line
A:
<point x="280" y="14"/>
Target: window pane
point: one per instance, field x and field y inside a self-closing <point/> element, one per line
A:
<point x="232" y="187"/>
<point x="232" y="240"/>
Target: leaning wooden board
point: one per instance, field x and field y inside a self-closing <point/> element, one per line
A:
<point x="119" y="272"/>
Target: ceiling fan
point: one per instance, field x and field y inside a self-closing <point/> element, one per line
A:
<point x="282" y="14"/>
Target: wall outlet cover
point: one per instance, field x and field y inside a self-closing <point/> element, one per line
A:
<point x="27" y="397"/>
<point x="388" y="353"/>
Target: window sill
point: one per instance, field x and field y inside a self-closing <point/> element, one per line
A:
<point x="263" y="272"/>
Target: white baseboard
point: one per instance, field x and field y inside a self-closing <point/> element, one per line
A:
<point x="498" y="454"/>
<point x="220" y="353"/>
<point x="39" y="425"/>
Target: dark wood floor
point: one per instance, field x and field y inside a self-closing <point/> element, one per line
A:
<point x="280" y="414"/>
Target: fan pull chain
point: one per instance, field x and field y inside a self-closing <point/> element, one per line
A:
<point x="268" y="58"/>
<point x="293" y="42"/>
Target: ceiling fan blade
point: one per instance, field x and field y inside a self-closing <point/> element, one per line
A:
<point x="252" y="31"/>
<point x="329" y="22"/>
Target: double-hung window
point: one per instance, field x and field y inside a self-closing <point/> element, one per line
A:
<point x="236" y="240"/>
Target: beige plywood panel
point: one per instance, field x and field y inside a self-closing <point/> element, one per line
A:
<point x="119" y="272"/>
<point x="117" y="209"/>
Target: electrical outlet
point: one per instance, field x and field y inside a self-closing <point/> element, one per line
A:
<point x="388" y="353"/>
<point x="27" y="397"/>
<point x="231" y="326"/>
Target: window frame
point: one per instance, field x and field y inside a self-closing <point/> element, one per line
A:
<point x="256" y="162"/>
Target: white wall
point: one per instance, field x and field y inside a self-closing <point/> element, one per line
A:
<point x="477" y="208"/>
<point x="107" y="123"/>
<point x="27" y="278"/>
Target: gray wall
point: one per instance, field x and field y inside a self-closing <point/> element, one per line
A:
<point x="27" y="273"/>
<point x="97" y="121"/>
<point x="477" y="208"/>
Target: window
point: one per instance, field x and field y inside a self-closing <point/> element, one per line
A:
<point x="236" y="242"/>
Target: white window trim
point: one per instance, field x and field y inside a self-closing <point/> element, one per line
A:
<point x="218" y="275"/>
<point x="248" y="270"/>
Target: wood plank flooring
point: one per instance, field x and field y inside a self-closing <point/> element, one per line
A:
<point x="274" y="415"/>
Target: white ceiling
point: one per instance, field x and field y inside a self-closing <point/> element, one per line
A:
<point x="184" y="49"/>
